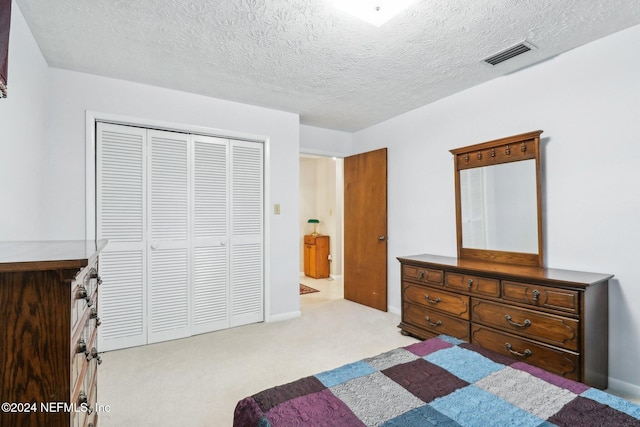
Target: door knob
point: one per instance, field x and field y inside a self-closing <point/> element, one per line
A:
<point x="381" y="238"/>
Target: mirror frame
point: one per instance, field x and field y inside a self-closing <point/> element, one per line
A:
<point x="510" y="149"/>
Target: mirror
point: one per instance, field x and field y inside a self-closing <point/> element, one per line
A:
<point x="498" y="206"/>
<point x="498" y="200"/>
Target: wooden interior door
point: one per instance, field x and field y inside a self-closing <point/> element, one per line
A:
<point x="365" y="228"/>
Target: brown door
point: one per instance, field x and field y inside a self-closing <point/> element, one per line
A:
<point x="365" y="228"/>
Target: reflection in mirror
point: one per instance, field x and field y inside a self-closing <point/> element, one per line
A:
<point x="499" y="207"/>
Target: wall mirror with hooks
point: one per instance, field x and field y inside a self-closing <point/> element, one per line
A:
<point x="499" y="201"/>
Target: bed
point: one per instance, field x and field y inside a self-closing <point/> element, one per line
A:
<point x="442" y="381"/>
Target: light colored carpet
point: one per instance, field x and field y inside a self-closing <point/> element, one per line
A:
<point x="197" y="381"/>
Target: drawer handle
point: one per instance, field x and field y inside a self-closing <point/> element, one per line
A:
<point x="432" y="301"/>
<point x="82" y="294"/>
<point x="526" y="323"/>
<point x="536" y="295"/>
<point x="421" y="275"/>
<point x="94" y="355"/>
<point x="82" y="346"/>
<point x="438" y="323"/>
<point x="95" y="275"/>
<point x="469" y="283"/>
<point x="94" y="315"/>
<point x="526" y="353"/>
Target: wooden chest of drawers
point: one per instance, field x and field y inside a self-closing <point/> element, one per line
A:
<point x="48" y="313"/>
<point x="316" y="256"/>
<point x="554" y="319"/>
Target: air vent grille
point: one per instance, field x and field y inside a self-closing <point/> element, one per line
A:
<point x="509" y="53"/>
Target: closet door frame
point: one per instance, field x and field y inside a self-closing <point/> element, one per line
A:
<point x="93" y="117"/>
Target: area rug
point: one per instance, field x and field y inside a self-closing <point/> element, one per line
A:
<point x="304" y="289"/>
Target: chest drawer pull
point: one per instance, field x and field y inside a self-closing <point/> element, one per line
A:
<point x="526" y="353"/>
<point x="432" y="301"/>
<point x="94" y="315"/>
<point x="469" y="283"/>
<point x="526" y="323"/>
<point x="438" y="323"/>
<point x="94" y="355"/>
<point x="536" y="295"/>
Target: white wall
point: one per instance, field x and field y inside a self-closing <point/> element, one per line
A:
<point x="22" y="118"/>
<point x="587" y="101"/>
<point x="73" y="93"/>
<point x="325" y="142"/>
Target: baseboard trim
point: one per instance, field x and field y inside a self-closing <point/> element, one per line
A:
<point x="623" y="388"/>
<point x="284" y="316"/>
<point x="394" y="310"/>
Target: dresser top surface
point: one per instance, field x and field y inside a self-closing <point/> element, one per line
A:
<point x="42" y="255"/>
<point x="514" y="272"/>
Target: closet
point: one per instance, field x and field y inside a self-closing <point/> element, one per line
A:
<point x="183" y="214"/>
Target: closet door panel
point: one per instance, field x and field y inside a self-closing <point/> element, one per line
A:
<point x="121" y="218"/>
<point x="247" y="207"/>
<point x="210" y="234"/>
<point x="169" y="229"/>
<point x="184" y="218"/>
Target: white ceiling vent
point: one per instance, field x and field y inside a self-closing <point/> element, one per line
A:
<point x="509" y="53"/>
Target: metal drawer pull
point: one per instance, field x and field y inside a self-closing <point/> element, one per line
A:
<point x="432" y="301"/>
<point x="438" y="323"/>
<point x="82" y="346"/>
<point x="526" y="323"/>
<point x="94" y="355"/>
<point x="82" y="293"/>
<point x="536" y="295"/>
<point x="95" y="275"/>
<point x="94" y="315"/>
<point x="421" y="275"/>
<point x="469" y="283"/>
<point x="526" y="353"/>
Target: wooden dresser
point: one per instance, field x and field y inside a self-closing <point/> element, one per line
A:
<point x="48" y="316"/>
<point x="316" y="256"/>
<point x="554" y="319"/>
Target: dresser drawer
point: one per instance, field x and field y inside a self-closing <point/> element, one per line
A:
<point x="541" y="296"/>
<point x="309" y="240"/>
<point x="456" y="305"/>
<point x="435" y="322"/>
<point x="552" y="329"/>
<point x="474" y="284"/>
<point x="565" y="363"/>
<point x="422" y="275"/>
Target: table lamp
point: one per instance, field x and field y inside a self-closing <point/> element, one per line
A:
<point x="314" y="222"/>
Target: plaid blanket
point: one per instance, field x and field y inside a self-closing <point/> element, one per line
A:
<point x="439" y="382"/>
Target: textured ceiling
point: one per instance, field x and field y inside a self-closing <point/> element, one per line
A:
<point x="306" y="57"/>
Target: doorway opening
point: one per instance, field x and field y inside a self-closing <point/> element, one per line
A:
<point x="321" y="199"/>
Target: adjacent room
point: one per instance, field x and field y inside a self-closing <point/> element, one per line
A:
<point x="452" y="181"/>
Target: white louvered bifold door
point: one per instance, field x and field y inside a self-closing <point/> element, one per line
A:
<point x="120" y="209"/>
<point x="169" y="230"/>
<point x="210" y="234"/>
<point x="246" y="281"/>
<point x="184" y="218"/>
